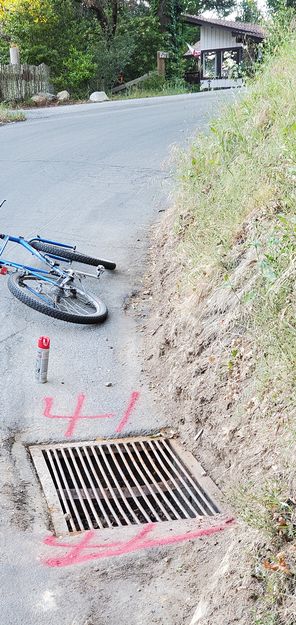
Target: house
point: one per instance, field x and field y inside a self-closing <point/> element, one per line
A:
<point x="222" y="47"/>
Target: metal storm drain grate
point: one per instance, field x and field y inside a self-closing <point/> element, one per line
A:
<point x="121" y="482"/>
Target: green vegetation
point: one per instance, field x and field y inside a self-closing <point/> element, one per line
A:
<point x="274" y="566"/>
<point x="244" y="171"/>
<point x="88" y="44"/>
<point x="249" y="12"/>
<point x="154" y="86"/>
<point x="7" y="116"/>
<point x="238" y="197"/>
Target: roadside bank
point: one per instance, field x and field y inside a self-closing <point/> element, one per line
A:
<point x="220" y="339"/>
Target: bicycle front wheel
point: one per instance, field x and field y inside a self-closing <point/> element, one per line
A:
<point x="67" y="303"/>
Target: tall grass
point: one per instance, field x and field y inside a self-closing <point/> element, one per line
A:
<point x="155" y="85"/>
<point x="238" y="184"/>
<point x="237" y="195"/>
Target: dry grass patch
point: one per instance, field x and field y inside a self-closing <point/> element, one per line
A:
<point x="7" y="116"/>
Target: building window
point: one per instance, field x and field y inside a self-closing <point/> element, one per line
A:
<point x="229" y="63"/>
<point x="221" y="63"/>
<point x="210" y="64"/>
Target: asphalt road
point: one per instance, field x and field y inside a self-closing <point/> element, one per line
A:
<point x="97" y="176"/>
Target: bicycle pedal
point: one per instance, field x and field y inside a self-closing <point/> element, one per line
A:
<point x="100" y="270"/>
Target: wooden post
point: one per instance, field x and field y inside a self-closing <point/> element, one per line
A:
<point x="14" y="55"/>
<point x="161" y="58"/>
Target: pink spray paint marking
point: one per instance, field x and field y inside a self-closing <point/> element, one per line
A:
<point x="77" y="416"/>
<point x="85" y="550"/>
<point x="132" y="402"/>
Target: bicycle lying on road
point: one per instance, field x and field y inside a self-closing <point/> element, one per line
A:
<point x="56" y="290"/>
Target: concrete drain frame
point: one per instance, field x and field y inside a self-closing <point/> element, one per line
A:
<point x="123" y="482"/>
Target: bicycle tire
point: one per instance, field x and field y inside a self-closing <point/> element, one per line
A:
<point x="47" y="248"/>
<point x="19" y="292"/>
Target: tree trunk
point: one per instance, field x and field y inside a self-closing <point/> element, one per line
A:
<point x="107" y="18"/>
<point x="162" y="14"/>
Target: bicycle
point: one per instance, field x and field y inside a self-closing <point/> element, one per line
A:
<point x="56" y="291"/>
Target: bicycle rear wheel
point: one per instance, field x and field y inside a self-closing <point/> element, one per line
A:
<point x="67" y="303"/>
<point x="47" y="248"/>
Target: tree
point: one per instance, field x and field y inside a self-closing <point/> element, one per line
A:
<point x="163" y="7"/>
<point x="39" y="10"/>
<point x="109" y="12"/>
<point x="276" y="6"/>
<point x="106" y="12"/>
<point x="249" y="12"/>
<point x="147" y="38"/>
<point x="56" y="33"/>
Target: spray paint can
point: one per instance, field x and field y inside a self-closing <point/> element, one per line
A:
<point x="42" y="359"/>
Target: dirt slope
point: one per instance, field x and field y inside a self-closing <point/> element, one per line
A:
<point x="221" y="360"/>
<point x="200" y="359"/>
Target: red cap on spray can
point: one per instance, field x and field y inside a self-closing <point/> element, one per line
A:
<point x="44" y="342"/>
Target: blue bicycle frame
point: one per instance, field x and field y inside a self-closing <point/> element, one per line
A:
<point x="44" y="258"/>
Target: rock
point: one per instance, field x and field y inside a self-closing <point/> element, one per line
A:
<point x="98" y="96"/>
<point x="63" y="96"/>
<point x="41" y="99"/>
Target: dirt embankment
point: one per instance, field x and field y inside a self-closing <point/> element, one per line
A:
<point x="201" y="358"/>
<point x="221" y="337"/>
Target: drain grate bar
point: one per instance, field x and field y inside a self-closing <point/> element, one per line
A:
<point x="101" y="489"/>
<point x="117" y="492"/>
<point x="60" y="488"/>
<point x="74" y="471"/>
<point x="90" y="492"/>
<point x="67" y="466"/>
<point x="133" y="476"/>
<point x="108" y="482"/>
<point x="99" y="493"/>
<point x="121" y="482"/>
<point x="190" y="494"/>
<point x="211" y="508"/>
<point x="73" y="510"/>
<point x="84" y="491"/>
<point x="153" y="500"/>
<point x="186" y="495"/>
<point x="159" y="487"/>
<point x="131" y="489"/>
<point x="157" y="468"/>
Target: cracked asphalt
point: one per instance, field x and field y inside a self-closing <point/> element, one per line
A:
<point x="97" y="176"/>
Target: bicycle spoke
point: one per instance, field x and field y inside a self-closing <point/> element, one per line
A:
<point x="69" y="300"/>
<point x="57" y="297"/>
<point x="40" y="295"/>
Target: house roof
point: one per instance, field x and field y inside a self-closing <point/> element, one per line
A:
<point x="196" y="46"/>
<point x="244" y="28"/>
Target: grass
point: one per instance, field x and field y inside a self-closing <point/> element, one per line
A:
<point x="273" y="513"/>
<point x="7" y="116"/>
<point x="238" y="184"/>
<point x="150" y="93"/>
<point x="237" y="195"/>
<point x="154" y="86"/>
